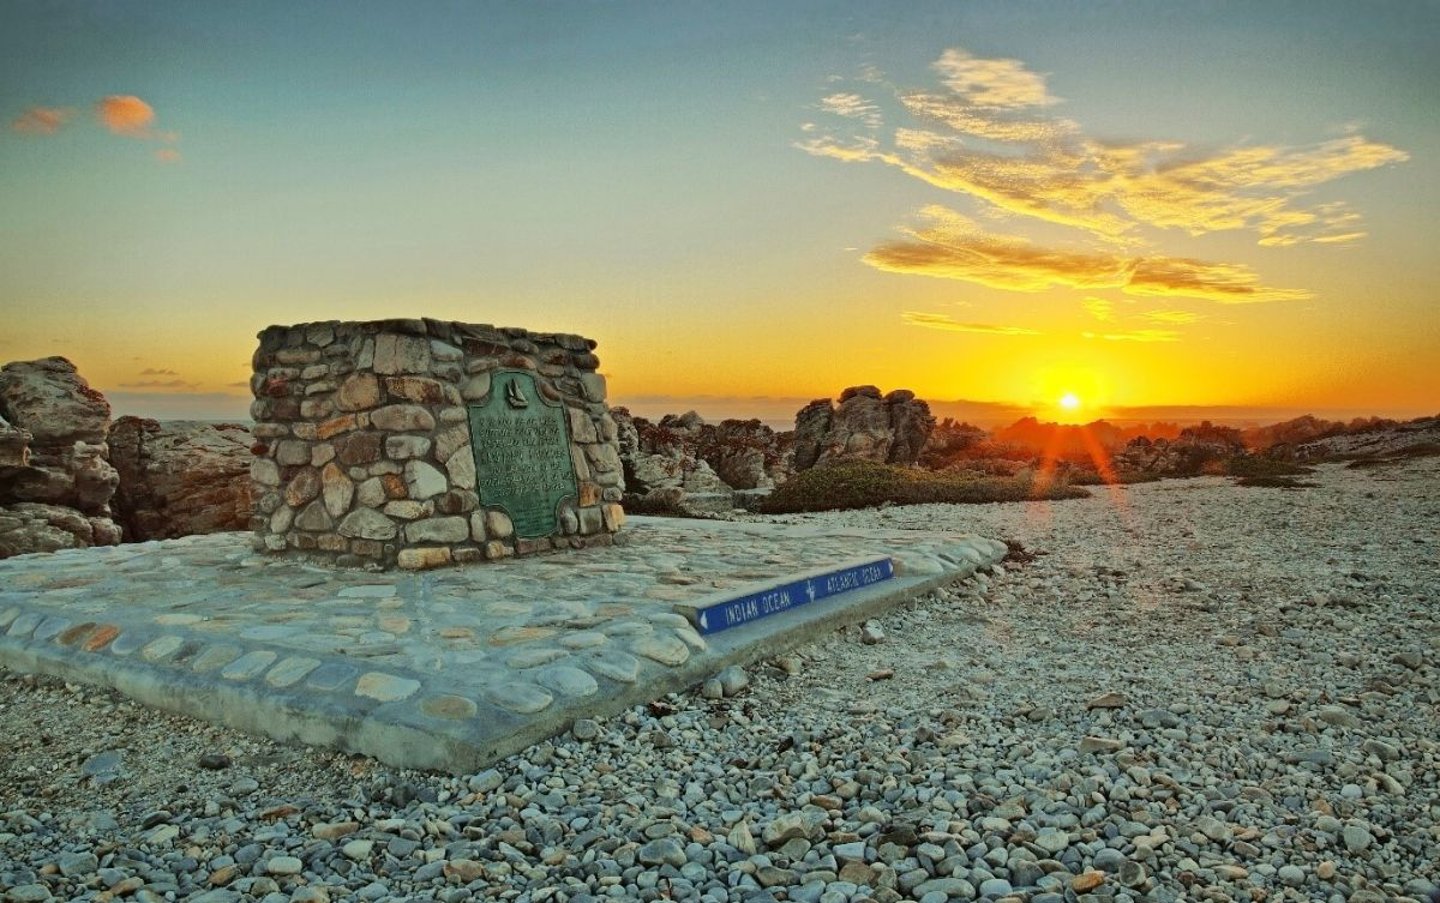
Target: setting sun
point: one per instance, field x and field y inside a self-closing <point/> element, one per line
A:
<point x="1069" y="402"/>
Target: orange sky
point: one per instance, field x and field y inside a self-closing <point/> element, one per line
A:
<point x="745" y="206"/>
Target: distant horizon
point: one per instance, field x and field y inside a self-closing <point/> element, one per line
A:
<point x="779" y="412"/>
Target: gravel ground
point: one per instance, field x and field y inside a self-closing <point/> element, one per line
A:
<point x="1190" y="691"/>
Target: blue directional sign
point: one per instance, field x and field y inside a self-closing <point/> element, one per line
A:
<point x="715" y="614"/>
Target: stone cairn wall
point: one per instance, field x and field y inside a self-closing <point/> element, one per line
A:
<point x="363" y="440"/>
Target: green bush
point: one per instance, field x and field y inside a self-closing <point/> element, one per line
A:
<point x="865" y="484"/>
<point x="1275" y="483"/>
<point x="1088" y="476"/>
<point x="1256" y="467"/>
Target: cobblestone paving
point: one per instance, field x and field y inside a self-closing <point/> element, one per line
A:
<point x="440" y="654"/>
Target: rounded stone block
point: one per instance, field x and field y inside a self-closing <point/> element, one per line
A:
<point x="402" y="448"/>
<point x="291" y="671"/>
<point x="461" y="469"/>
<point x="292" y="452"/>
<point x="314" y="518"/>
<point x="303" y="487"/>
<point x="212" y="657"/>
<point x="162" y="648"/>
<point x="402" y="418"/>
<point x="665" y="648"/>
<point x="438" y="529"/>
<point x="616" y="665"/>
<point x="385" y="687"/>
<point x="359" y="392"/>
<point x="476" y="387"/>
<point x="498" y="525"/>
<point x="265" y="472"/>
<point x="419" y="389"/>
<point x="367" y="523"/>
<point x="401" y="354"/>
<point x="519" y="696"/>
<point x="423" y="558"/>
<point x="423" y="481"/>
<point x="337" y="489"/>
<point x="449" y="708"/>
<point x="569" y="681"/>
<point x="249" y="665"/>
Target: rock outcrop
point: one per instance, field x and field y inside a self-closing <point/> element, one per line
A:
<point x="1197" y="450"/>
<point x="865" y="425"/>
<point x="1378" y="442"/>
<point x="684" y="465"/>
<point x="55" y="480"/>
<point x="949" y="443"/>
<point x="180" y="477"/>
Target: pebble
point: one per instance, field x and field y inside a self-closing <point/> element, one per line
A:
<point x="284" y="865"/>
<point x="999" y="775"/>
<point x="585" y="729"/>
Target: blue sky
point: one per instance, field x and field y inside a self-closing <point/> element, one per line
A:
<point x="648" y="175"/>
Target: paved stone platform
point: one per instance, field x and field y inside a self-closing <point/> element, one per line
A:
<point x="448" y="669"/>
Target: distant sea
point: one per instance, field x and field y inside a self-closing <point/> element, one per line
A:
<point x="779" y="412"/>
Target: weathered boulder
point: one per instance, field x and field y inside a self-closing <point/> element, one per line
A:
<point x="949" y="443"/>
<point x="180" y="477"/>
<point x="745" y="454"/>
<point x="30" y="527"/>
<point x="54" y="402"/>
<point x="865" y="425"/>
<point x="683" y="465"/>
<point x="14" y="445"/>
<point x="53" y="456"/>
<point x="663" y="455"/>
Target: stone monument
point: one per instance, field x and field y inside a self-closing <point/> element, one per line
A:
<point x="418" y="443"/>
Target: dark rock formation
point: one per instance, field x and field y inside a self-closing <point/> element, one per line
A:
<point x="180" y="478"/>
<point x="14" y="446"/>
<point x="745" y="454"/>
<point x="1197" y="450"/>
<point x="684" y="465"/>
<point x="53" y="459"/>
<point x="951" y="442"/>
<point x="663" y="455"/>
<point x="1376" y="440"/>
<point x="866" y="425"/>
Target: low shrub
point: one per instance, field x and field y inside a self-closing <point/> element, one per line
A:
<point x="865" y="484"/>
<point x="1256" y="467"/>
<point x="1275" y="483"/>
<point x="1089" y="476"/>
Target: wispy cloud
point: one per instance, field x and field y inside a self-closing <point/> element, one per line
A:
<point x="991" y="83"/>
<point x="941" y="321"/>
<point x="1175" y="317"/>
<point x="153" y="371"/>
<point x="952" y="246"/>
<point x="126" y="114"/>
<point x="121" y="114"/>
<point x="988" y="132"/>
<point x="160" y="384"/>
<point x="852" y="106"/>
<point x="1099" y="308"/>
<point x="1136" y="335"/>
<point x="1047" y="169"/>
<point x="42" y="120"/>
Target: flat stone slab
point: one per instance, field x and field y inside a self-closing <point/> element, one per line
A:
<point x="450" y="669"/>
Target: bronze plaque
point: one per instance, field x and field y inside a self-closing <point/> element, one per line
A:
<point x="521" y="442"/>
